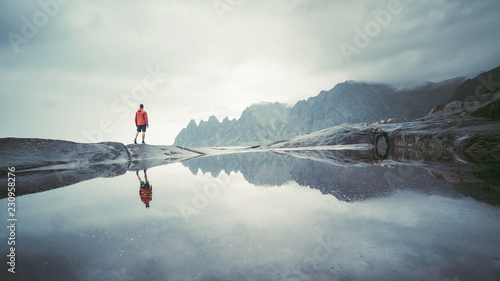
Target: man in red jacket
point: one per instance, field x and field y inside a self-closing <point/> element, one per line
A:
<point x="146" y="190"/>
<point x="141" y="121"/>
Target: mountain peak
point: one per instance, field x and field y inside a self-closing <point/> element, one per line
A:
<point x="259" y="123"/>
<point x="192" y="123"/>
<point x="347" y="102"/>
<point x="213" y="119"/>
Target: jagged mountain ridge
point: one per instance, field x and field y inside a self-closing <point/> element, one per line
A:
<point x="347" y="102"/>
<point x="357" y="102"/>
<point x="259" y="123"/>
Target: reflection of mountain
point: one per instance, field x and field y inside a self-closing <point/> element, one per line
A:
<point x="350" y="179"/>
<point x="266" y="168"/>
<point x="257" y="168"/>
<point x="357" y="183"/>
<point x="352" y="183"/>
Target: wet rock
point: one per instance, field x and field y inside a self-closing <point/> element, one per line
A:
<point x="32" y="153"/>
<point x="43" y="164"/>
<point x="147" y="156"/>
<point x="345" y="134"/>
<point x="453" y="132"/>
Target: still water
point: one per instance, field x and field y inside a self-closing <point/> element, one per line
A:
<point x="260" y="216"/>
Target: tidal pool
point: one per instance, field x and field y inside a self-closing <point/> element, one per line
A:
<point x="259" y="216"/>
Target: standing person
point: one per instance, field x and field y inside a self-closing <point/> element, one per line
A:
<point x="141" y="121"/>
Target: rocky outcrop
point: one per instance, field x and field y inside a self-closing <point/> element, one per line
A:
<point x="457" y="141"/>
<point x="43" y="164"/>
<point x="42" y="153"/>
<point x="466" y="131"/>
<point x="469" y="130"/>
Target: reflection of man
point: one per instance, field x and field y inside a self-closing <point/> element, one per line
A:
<point x="146" y="190"/>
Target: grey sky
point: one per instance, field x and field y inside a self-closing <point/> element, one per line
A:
<point x="78" y="72"/>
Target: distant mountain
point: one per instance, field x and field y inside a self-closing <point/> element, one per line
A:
<point x="473" y="89"/>
<point x="355" y="102"/>
<point x="259" y="123"/>
<point x="348" y="102"/>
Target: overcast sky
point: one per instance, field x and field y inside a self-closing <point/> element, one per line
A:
<point x="77" y="70"/>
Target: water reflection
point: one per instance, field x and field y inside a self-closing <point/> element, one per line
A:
<point x="332" y="172"/>
<point x="145" y="189"/>
<point x="260" y="217"/>
<point x="348" y="174"/>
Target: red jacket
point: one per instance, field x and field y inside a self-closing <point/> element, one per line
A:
<point x="141" y="117"/>
<point x="146" y="195"/>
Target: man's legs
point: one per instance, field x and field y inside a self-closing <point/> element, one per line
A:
<point x="139" y="129"/>
<point x="137" y="173"/>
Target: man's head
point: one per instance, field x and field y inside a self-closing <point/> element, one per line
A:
<point x="141" y="106"/>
